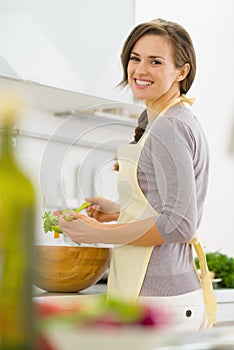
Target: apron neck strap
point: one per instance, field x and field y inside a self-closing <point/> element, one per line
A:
<point x="181" y="98"/>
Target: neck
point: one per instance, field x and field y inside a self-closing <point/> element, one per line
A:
<point x="156" y="106"/>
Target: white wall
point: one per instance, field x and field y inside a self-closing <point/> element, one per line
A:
<point x="210" y="24"/>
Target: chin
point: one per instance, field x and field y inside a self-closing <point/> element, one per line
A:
<point x="139" y="98"/>
<point x="139" y="95"/>
<point x="142" y="97"/>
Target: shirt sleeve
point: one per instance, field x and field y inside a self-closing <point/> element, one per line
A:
<point x="171" y="147"/>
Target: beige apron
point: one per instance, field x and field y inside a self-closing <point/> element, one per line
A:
<point x="129" y="263"/>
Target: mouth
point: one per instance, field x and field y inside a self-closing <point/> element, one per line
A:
<point x="142" y="83"/>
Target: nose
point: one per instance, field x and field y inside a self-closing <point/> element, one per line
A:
<point x="141" y="68"/>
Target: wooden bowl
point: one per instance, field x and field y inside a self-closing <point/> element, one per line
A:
<point x="69" y="269"/>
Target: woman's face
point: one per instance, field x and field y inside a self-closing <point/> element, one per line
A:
<point x="151" y="70"/>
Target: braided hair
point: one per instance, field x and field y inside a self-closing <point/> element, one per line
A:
<point x="139" y="131"/>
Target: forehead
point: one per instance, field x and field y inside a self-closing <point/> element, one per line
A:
<point x="153" y="45"/>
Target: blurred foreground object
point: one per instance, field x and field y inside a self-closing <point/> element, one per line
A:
<point x="17" y="211"/>
<point x="97" y="312"/>
<point x="94" y="323"/>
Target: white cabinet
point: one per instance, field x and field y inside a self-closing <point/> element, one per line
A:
<point x="225" y="306"/>
<point x="71" y="44"/>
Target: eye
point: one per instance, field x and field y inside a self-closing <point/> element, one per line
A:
<point x="156" y="62"/>
<point x="134" y="59"/>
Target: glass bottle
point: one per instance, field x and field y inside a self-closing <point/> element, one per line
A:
<point x="17" y="213"/>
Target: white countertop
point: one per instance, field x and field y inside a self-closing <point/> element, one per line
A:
<point x="224" y="295"/>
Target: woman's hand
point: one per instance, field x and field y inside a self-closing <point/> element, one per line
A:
<point x="103" y="210"/>
<point x="81" y="229"/>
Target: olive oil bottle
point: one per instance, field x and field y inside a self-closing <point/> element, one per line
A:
<point x="17" y="207"/>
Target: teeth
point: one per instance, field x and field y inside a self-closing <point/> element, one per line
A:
<point x="142" y="82"/>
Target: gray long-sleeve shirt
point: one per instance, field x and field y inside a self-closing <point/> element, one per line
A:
<point x="173" y="175"/>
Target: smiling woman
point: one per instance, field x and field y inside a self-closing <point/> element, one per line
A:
<point x="162" y="184"/>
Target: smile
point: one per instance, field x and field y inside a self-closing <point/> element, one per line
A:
<point x="142" y="82"/>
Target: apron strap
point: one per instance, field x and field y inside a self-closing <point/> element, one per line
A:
<point x="188" y="100"/>
<point x="181" y="98"/>
<point x="206" y="283"/>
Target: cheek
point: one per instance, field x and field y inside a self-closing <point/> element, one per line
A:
<point x="174" y="74"/>
<point x="130" y="69"/>
<point x="128" y="72"/>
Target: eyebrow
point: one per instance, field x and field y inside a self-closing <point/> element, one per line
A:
<point x="137" y="54"/>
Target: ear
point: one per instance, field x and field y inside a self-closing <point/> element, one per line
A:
<point x="183" y="72"/>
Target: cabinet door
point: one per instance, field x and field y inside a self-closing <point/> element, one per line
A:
<point x="71" y="44"/>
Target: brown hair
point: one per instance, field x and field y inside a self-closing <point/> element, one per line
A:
<point x="139" y="131"/>
<point x="180" y="41"/>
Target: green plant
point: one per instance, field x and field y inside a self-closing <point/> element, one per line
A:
<point x="222" y="266"/>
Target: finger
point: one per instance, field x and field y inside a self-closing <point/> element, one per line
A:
<point x="96" y="215"/>
<point x="90" y="212"/>
<point x="96" y="207"/>
<point x="93" y="200"/>
<point x="90" y="199"/>
<point x="89" y="209"/>
<point x="75" y="216"/>
<point x="80" y="216"/>
<point x="93" y="211"/>
<point x="57" y="212"/>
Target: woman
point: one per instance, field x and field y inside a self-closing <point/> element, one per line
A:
<point x="162" y="182"/>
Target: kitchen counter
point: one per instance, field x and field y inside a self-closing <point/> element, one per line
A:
<point x="93" y="290"/>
